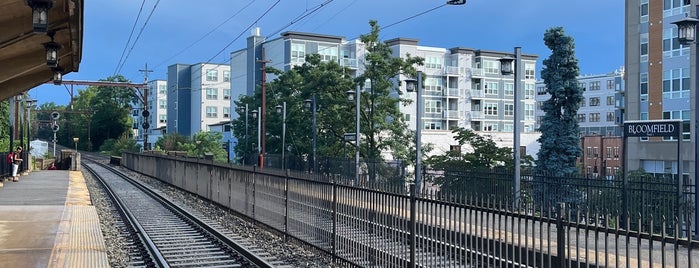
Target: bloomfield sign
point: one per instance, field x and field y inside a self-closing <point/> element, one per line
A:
<point x="657" y="128"/>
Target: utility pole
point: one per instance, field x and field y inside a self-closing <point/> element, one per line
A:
<point x="261" y="157"/>
<point x="146" y="119"/>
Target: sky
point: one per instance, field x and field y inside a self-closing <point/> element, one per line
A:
<point x="180" y="31"/>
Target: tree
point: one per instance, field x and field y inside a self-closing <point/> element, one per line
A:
<point x="206" y="142"/>
<point x="382" y="123"/>
<point x="112" y="107"/>
<point x="472" y="172"/>
<point x="559" y="126"/>
<point x="171" y="142"/>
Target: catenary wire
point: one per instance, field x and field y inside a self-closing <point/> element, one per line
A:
<point x="130" y="35"/>
<point x="139" y="35"/>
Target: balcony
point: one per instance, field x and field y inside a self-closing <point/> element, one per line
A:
<point x="347" y="62"/>
<point x="451" y="92"/>
<point x="475" y="93"/>
<point x="476" y="115"/>
<point x="452" y="70"/>
<point x="451" y="114"/>
<point x="433" y="91"/>
<point x="476" y="72"/>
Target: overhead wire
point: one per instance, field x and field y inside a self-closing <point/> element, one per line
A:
<point x="139" y="35"/>
<point x="138" y="16"/>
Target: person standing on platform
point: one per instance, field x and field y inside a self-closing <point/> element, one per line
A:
<point x="16" y="161"/>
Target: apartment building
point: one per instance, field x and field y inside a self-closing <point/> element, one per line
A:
<point x="463" y="86"/>
<point x="658" y="84"/>
<point x="198" y="95"/>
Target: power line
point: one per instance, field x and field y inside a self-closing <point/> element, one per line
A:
<point x="139" y="35"/>
<point x="130" y="35"/>
<point x="204" y="36"/>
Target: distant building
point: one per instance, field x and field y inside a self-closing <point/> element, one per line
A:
<point x="198" y="95"/>
<point x="601" y="156"/>
<point x="463" y="87"/>
<point x="601" y="109"/>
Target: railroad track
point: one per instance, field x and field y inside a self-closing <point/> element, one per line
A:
<point x="162" y="234"/>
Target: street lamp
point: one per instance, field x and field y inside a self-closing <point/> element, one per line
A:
<point x="311" y="104"/>
<point x="259" y="147"/>
<point x="198" y="142"/>
<point x="282" y="109"/>
<point x="240" y="111"/>
<point x="506" y="68"/>
<point x="75" y="140"/>
<point x="356" y="95"/>
<point x="416" y="86"/>
<point x="686" y="33"/>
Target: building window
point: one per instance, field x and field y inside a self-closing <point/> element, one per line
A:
<point x="509" y="89"/>
<point x="582" y="85"/>
<point x="671" y="44"/>
<point x="582" y="118"/>
<point x="610" y="100"/>
<point x="491" y="67"/>
<point x="644" y="11"/>
<point x="582" y="102"/>
<point x="529" y="112"/>
<point x="509" y="109"/>
<point x="594" y="117"/>
<point x="162" y="104"/>
<point x="674" y="7"/>
<point x="609" y="153"/>
<point x="162" y="89"/>
<point x="433" y="84"/>
<point x="298" y="52"/>
<point x="610" y="84"/>
<point x="676" y="83"/>
<point x="488" y="126"/>
<point x="433" y="106"/>
<point x="491" y="88"/>
<point x="610" y="116"/>
<point x="644" y="47"/>
<point x="328" y="52"/>
<point x="226" y="94"/>
<point x="490" y="108"/>
<point x="226" y="76"/>
<point x="211" y="112"/>
<point x="528" y="91"/>
<point x="684" y="115"/>
<point x="529" y="71"/>
<point x="434" y="62"/>
<point x="594" y="85"/>
<point x="644" y="86"/>
<point x="541" y="90"/>
<point x="594" y="101"/>
<point x="162" y="118"/>
<point x="211" y="93"/>
<point x="589" y="152"/>
<point x="211" y="75"/>
<point x="508" y="127"/>
<point x="432" y="125"/>
<point x="226" y="112"/>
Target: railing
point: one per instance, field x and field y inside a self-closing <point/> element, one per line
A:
<point x="452" y="92"/>
<point x="346" y="62"/>
<point x="476" y="72"/>
<point x="449" y="70"/>
<point x="451" y="114"/>
<point x="476" y="93"/>
<point x="387" y="225"/>
<point x="477" y="115"/>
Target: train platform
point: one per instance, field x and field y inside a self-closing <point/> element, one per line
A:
<point x="47" y="220"/>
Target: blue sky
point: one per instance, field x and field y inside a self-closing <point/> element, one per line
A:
<point x="175" y="25"/>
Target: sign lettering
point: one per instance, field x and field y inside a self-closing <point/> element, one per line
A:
<point x="652" y="129"/>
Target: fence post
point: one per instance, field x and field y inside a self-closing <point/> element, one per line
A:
<point x="334" y="211"/>
<point x="413" y="225"/>
<point x="286" y="206"/>
<point x="625" y="201"/>
<point x="560" y="235"/>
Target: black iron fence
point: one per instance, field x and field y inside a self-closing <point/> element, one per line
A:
<point x="474" y="226"/>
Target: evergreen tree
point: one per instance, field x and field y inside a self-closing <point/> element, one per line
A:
<point x="559" y="127"/>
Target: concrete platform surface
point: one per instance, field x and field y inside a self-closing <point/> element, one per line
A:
<point x="47" y="220"/>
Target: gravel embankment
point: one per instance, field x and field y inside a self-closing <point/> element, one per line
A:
<point x="293" y="253"/>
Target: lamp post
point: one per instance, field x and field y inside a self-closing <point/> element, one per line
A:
<point x="506" y="68"/>
<point x="240" y="111"/>
<point x="29" y="104"/>
<point x="75" y="140"/>
<point x="311" y="104"/>
<point x="198" y="142"/>
<point x="416" y="86"/>
<point x="686" y="33"/>
<point x="254" y="116"/>
<point x="282" y="109"/>
<point x="356" y="95"/>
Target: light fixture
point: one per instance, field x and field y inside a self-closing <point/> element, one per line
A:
<point x="350" y="95"/>
<point x="279" y="108"/>
<point x="52" y="49"/>
<point x="308" y="103"/>
<point x="254" y="113"/>
<point x="506" y="67"/>
<point x="410" y="84"/>
<point x="686" y="30"/>
<point x="456" y="2"/>
<point x="40" y="14"/>
<point x="57" y="75"/>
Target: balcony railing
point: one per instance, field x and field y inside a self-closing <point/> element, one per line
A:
<point x="451" y="114"/>
<point x="476" y="72"/>
<point x="476" y="115"/>
<point x="452" y="70"/>
<point x="474" y="93"/>
<point x="347" y="62"/>
<point x="451" y="92"/>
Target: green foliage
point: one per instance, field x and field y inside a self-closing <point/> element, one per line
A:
<point x="559" y="126"/>
<point x="111" y="107"/>
<point x="119" y="146"/>
<point x="171" y="142"/>
<point x="206" y="143"/>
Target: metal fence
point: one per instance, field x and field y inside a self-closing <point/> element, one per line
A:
<point x="371" y="227"/>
